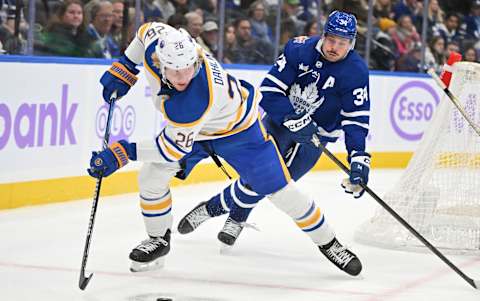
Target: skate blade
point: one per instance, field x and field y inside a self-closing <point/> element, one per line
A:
<point x="147" y="266"/>
<point x="225" y="249"/>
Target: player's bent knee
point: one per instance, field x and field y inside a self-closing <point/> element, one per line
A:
<point x="153" y="178"/>
<point x="291" y="200"/>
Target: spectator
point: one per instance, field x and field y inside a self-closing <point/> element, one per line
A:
<point x="230" y="43"/>
<point x="208" y="8"/>
<point x="182" y="6"/>
<point x="448" y="30"/>
<point x="382" y="56"/>
<point x="286" y="32"/>
<point x="435" y="54"/>
<point x="410" y="8"/>
<point x="166" y="7"/>
<point x="11" y="37"/>
<point x="451" y="47"/>
<point x="289" y="11"/>
<point x="209" y="37"/>
<point x="383" y="9"/>
<point x="132" y="28"/>
<point x="470" y="55"/>
<point x="307" y="10"/>
<point x="410" y="61"/>
<point x="435" y="16"/>
<point x="260" y="29"/>
<point x="233" y="9"/>
<point x="152" y="11"/>
<point x="404" y="35"/>
<point x="359" y="8"/>
<point x="117" y="25"/>
<point x="101" y="20"/>
<point x="250" y="50"/>
<point x="383" y="53"/>
<point x="66" y="33"/>
<point x="194" y="24"/>
<point x="311" y="28"/>
<point x="472" y="21"/>
<point x="177" y="20"/>
<point x="456" y="6"/>
<point x="385" y="24"/>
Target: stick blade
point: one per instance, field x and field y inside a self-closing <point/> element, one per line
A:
<point x="477" y="284"/>
<point x="83" y="282"/>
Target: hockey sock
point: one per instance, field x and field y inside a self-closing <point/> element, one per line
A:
<point x="236" y="199"/>
<point x="156" y="211"/>
<point x="308" y="217"/>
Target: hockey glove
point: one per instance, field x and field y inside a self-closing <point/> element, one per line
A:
<point x="359" y="170"/>
<point x="120" y="77"/>
<point x="106" y="162"/>
<point x="301" y="126"/>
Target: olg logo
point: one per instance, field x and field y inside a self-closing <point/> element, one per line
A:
<point x="412" y="108"/>
<point x="122" y="124"/>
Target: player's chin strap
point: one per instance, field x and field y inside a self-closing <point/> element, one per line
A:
<point x="206" y="146"/>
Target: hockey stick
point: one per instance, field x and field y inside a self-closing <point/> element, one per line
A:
<point x="83" y="281"/>
<point x="472" y="282"/>
<point x="454" y="100"/>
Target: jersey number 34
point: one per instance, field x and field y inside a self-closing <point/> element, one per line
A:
<point x="361" y="96"/>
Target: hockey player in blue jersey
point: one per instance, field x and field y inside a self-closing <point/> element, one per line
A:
<point x="208" y="113"/>
<point x="316" y="89"/>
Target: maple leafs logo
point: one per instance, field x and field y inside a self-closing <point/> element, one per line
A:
<point x="295" y="97"/>
<point x="281" y="62"/>
<point x="306" y="100"/>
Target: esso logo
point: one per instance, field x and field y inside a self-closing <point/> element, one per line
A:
<point x="412" y="108"/>
<point x="122" y="124"/>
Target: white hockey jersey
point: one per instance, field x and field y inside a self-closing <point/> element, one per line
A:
<point x="214" y="105"/>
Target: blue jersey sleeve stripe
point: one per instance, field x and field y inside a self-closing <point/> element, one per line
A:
<point x="272" y="89"/>
<point x="359" y="119"/>
<point x="332" y="134"/>
<point x="245" y="189"/>
<point x="276" y="81"/>
<point x="349" y="122"/>
<point x="355" y="114"/>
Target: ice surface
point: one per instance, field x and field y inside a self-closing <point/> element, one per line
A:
<point x="41" y="251"/>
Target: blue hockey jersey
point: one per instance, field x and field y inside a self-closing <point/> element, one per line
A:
<point x="334" y="94"/>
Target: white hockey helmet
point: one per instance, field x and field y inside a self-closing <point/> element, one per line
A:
<point x="176" y="50"/>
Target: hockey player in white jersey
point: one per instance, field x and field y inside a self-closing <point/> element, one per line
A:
<point x="317" y="88"/>
<point x="208" y="113"/>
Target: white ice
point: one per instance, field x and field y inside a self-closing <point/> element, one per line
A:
<point x="41" y="250"/>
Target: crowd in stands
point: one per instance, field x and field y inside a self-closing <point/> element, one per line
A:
<point x="97" y="28"/>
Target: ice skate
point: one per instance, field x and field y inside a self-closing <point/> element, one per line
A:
<point x="229" y="234"/>
<point x="342" y="257"/>
<point x="150" y="254"/>
<point x="194" y="218"/>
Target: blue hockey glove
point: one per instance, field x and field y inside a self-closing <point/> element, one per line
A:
<point x="359" y="170"/>
<point x="120" y="77"/>
<point x="301" y="126"/>
<point x="106" y="162"/>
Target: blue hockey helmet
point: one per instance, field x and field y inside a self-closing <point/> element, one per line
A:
<point x="341" y="24"/>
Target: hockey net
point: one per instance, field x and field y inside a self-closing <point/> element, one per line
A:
<point x="439" y="192"/>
